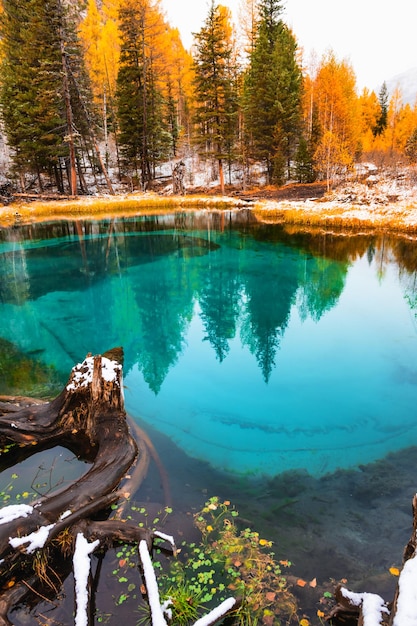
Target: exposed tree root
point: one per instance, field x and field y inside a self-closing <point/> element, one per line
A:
<point x="88" y="417"/>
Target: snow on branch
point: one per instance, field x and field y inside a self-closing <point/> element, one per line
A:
<point x="219" y="611"/>
<point x="372" y="606"/>
<point x="36" y="540"/>
<point x="81" y="561"/>
<point x="406" y="613"/>
<point x="151" y="583"/>
<point x="158" y="610"/>
<point x="14" y="511"/>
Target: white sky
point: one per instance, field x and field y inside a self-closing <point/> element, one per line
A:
<point x="377" y="37"/>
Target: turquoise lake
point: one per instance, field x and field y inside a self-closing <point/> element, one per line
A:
<point x="253" y="351"/>
<point x="272" y="368"/>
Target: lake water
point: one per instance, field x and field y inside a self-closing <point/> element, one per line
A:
<point x="264" y="364"/>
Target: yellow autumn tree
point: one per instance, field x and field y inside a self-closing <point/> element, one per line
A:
<point x="400" y="125"/>
<point x="337" y="115"/>
<point x="369" y="113"/>
<point x="99" y="34"/>
<point x="165" y="54"/>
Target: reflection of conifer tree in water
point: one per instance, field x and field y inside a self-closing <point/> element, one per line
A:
<point x="164" y="311"/>
<point x="14" y="283"/>
<point x="219" y="302"/>
<point x="405" y="253"/>
<point x="322" y="282"/>
<point x="269" y="300"/>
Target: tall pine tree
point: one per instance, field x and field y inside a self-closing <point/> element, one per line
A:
<point x="41" y="77"/>
<point x="272" y="94"/>
<point x="215" y="82"/>
<point x="144" y="135"/>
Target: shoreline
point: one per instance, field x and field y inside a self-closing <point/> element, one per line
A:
<point x="398" y="217"/>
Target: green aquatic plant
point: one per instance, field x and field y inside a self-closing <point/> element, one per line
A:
<point x="229" y="561"/>
<point x="22" y="374"/>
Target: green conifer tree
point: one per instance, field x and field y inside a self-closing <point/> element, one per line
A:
<point x="272" y="94"/>
<point x="383" y="99"/>
<point x="215" y="83"/>
<point x="143" y="114"/>
<point x="37" y="39"/>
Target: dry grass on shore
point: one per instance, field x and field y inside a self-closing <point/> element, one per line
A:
<point x="400" y="216"/>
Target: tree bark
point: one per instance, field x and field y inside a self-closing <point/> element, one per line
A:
<point x="88" y="417"/>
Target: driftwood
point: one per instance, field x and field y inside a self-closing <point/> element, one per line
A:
<point x="88" y="417"/>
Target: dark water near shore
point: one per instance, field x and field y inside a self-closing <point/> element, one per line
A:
<point x="272" y="369"/>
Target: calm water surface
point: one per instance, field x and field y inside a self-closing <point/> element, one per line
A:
<point x="278" y="369"/>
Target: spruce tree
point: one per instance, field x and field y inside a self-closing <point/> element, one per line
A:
<point x="381" y="123"/>
<point x="272" y="94"/>
<point x="215" y="86"/>
<point x="37" y="40"/>
<point x="144" y="136"/>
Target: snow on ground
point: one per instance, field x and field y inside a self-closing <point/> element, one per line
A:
<point x="382" y="202"/>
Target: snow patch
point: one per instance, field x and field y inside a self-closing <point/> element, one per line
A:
<point x="82" y="373"/>
<point x="36" y="540"/>
<point x="14" y="511"/>
<point x="406" y="613"/>
<point x="216" y="613"/>
<point x="373" y="606"/>
<point x="81" y="563"/>
<point x="157" y="612"/>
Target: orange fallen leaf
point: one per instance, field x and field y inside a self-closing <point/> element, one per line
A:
<point x="122" y="562"/>
<point x="301" y="582"/>
<point x="285" y="563"/>
<point x="237" y="563"/>
<point x="320" y="613"/>
<point x="313" y="583"/>
<point x="394" y="571"/>
<point x="270" y="596"/>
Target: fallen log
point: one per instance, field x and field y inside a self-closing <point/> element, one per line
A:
<point x="68" y="524"/>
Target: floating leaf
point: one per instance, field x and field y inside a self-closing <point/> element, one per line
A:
<point x="301" y="583"/>
<point x="304" y="622"/>
<point x="265" y="542"/>
<point x="313" y="583"/>
<point x="394" y="571"/>
<point x="320" y="613"/>
<point x="270" y="596"/>
<point x="122" y="598"/>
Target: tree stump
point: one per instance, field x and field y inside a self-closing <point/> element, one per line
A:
<point x="65" y="526"/>
<point x="178" y="174"/>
